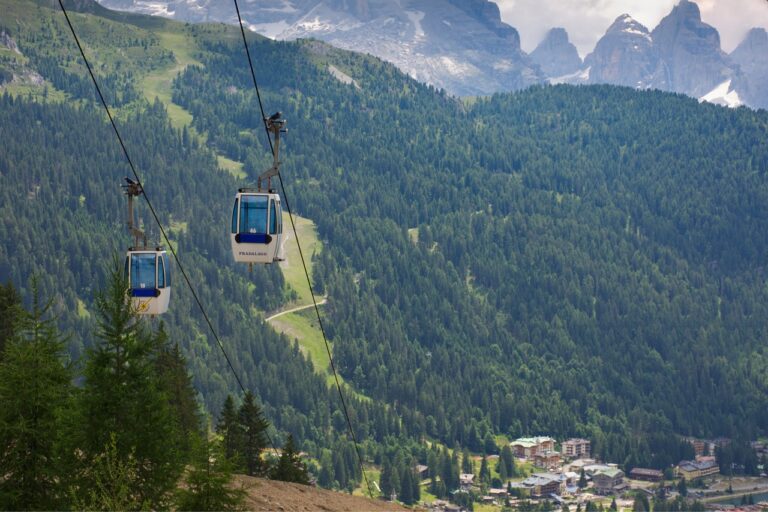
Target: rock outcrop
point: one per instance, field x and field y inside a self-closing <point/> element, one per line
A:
<point x="694" y="63"/>
<point x="626" y="55"/>
<point x="752" y="57"/>
<point x="556" y="55"/>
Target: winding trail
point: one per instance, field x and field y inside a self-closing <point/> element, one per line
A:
<point x="294" y="310"/>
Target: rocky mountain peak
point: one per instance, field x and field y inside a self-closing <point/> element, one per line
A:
<point x="488" y="14"/>
<point x="756" y="39"/>
<point x="626" y="24"/>
<point x="752" y="57"/>
<point x="690" y="48"/>
<point x="625" y="55"/>
<point x="556" y="55"/>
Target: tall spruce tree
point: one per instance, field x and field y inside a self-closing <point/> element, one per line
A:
<point x="485" y="471"/>
<point x="466" y="462"/>
<point x="254" y="437"/>
<point x="176" y="383"/>
<point x="385" y="480"/>
<point x="230" y="429"/>
<point x="325" y="477"/>
<point x="123" y="396"/>
<point x="35" y="388"/>
<point x="290" y="467"/>
<point x="406" y="485"/>
<point x="10" y="303"/>
<point x="509" y="460"/>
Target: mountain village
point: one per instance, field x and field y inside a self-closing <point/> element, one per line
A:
<point x="565" y="476"/>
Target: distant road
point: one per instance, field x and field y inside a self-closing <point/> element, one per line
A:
<point x="294" y="310"/>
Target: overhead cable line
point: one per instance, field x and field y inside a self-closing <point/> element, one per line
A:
<point x="301" y="254"/>
<point x="154" y="213"/>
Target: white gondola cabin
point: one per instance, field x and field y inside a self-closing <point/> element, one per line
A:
<point x="257" y="227"/>
<point x="149" y="280"/>
<point x="147" y="269"/>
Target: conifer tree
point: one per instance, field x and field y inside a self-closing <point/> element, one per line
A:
<point x="340" y="469"/>
<point x="254" y="437"/>
<point x="35" y="387"/>
<point x="290" y="467"/>
<point x="230" y="429"/>
<point x="10" y="304"/>
<point x="485" y="471"/>
<point x="582" y="479"/>
<point x="416" y="492"/>
<point x="325" y="476"/>
<point x="385" y="480"/>
<point x="122" y="396"/>
<point x="208" y="481"/>
<point x="509" y="460"/>
<point x="176" y="383"/>
<point x="466" y="462"/>
<point x="406" y="486"/>
<point x="396" y="484"/>
<point x="503" y="475"/>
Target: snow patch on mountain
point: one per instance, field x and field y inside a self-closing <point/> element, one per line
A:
<point x="270" y="30"/>
<point x="579" y="77"/>
<point x="723" y="95"/>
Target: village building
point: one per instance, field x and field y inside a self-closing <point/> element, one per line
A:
<point x="648" y="475"/>
<point x="577" y="465"/>
<point x="606" y="480"/>
<point x="692" y="469"/>
<point x="498" y="493"/>
<point x="544" y="484"/>
<point x="528" y="447"/>
<point x="576" y="448"/>
<point x="422" y="471"/>
<point x="547" y="459"/>
<point x="572" y="477"/>
<point x="591" y="469"/>
<point x="466" y="480"/>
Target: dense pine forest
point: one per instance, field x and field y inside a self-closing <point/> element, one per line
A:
<point x="564" y="260"/>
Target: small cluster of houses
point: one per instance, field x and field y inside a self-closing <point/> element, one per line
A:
<point x="560" y="479"/>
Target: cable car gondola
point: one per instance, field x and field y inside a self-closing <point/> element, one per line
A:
<point x="147" y="269"/>
<point x="256" y="234"/>
<point x="257" y="226"/>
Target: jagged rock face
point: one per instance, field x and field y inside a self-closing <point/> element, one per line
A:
<point x="752" y="57"/>
<point x="556" y="55"/>
<point x="461" y="46"/>
<point x="690" y="49"/>
<point x="626" y="55"/>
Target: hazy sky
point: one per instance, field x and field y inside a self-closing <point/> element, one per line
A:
<point x="587" y="20"/>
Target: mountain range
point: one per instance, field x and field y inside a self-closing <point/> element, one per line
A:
<point x="465" y="48"/>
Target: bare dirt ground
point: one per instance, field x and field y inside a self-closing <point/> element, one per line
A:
<point x="270" y="495"/>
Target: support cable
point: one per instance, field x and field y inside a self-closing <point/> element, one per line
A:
<point x="301" y="254"/>
<point x="154" y="213"/>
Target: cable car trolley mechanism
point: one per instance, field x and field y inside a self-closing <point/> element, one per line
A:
<point x="257" y="218"/>
<point x="147" y="269"/>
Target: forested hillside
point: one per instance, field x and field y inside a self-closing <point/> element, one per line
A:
<point x="564" y="260"/>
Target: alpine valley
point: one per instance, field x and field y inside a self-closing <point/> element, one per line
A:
<point x="573" y="261"/>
